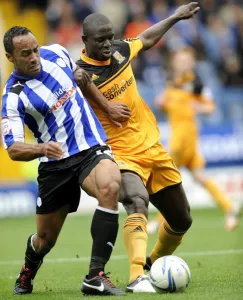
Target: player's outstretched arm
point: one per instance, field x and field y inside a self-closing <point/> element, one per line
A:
<point x="25" y="152"/>
<point x="116" y="112"/>
<point x="153" y="34"/>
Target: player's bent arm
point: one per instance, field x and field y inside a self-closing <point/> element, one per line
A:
<point x="206" y="107"/>
<point x="116" y="112"/>
<point x="24" y="152"/>
<point x="153" y="34"/>
<point x="20" y="151"/>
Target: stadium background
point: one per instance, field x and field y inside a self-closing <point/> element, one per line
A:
<point x="216" y="34"/>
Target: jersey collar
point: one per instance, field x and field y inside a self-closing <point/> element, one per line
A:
<point x="94" y="62"/>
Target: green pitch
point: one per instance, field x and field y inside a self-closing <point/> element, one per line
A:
<point x="215" y="258"/>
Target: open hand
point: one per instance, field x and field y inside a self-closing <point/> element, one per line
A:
<point x="187" y="11"/>
<point x="118" y="112"/>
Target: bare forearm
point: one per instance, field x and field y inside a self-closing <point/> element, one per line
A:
<point x="25" y="152"/>
<point x="153" y="34"/>
<point x="92" y="92"/>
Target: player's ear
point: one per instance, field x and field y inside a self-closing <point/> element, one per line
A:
<point x="84" y="39"/>
<point x="9" y="57"/>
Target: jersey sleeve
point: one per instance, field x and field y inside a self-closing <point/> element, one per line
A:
<point x="135" y="45"/>
<point x="12" y="119"/>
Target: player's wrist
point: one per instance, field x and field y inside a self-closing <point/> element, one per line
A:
<point x="39" y="150"/>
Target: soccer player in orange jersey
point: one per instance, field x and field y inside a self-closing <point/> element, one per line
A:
<point x="148" y="173"/>
<point x="181" y="101"/>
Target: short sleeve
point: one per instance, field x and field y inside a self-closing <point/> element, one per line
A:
<point x="63" y="53"/>
<point x="135" y="45"/>
<point x="12" y="119"/>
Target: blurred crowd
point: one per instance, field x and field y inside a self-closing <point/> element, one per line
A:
<point x="216" y="34"/>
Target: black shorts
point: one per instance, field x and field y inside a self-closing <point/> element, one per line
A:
<point x="59" y="182"/>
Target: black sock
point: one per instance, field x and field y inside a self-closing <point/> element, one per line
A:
<point x="104" y="230"/>
<point x="32" y="258"/>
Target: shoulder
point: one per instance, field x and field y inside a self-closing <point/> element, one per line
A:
<point x="13" y="86"/>
<point x="121" y="46"/>
<point x="53" y="50"/>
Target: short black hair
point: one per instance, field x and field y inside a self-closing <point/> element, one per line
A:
<point x="11" y="34"/>
<point x="94" y="21"/>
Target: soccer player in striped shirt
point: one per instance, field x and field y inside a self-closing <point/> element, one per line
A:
<point x="42" y="93"/>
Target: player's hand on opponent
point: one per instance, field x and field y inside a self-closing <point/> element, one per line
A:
<point x="81" y="77"/>
<point x="186" y="11"/>
<point x="52" y="150"/>
<point x="118" y="113"/>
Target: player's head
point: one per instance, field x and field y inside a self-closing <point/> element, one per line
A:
<point x="22" y="50"/>
<point x="98" y="36"/>
<point x="183" y="60"/>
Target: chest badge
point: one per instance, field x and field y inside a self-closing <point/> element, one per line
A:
<point x="117" y="55"/>
<point x="61" y="63"/>
<point x="94" y="77"/>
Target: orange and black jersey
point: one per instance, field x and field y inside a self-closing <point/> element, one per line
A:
<point x="115" y="80"/>
<point x="179" y="100"/>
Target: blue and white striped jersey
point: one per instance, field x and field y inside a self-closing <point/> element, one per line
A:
<point x="51" y="105"/>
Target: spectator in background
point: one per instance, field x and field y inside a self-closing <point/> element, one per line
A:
<point x="116" y="10"/>
<point x="23" y="4"/>
<point x="68" y="31"/>
<point x="139" y="21"/>
<point x="216" y="35"/>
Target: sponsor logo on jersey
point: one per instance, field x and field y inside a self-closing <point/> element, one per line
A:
<point x="94" y="77"/>
<point x="117" y="55"/>
<point x="118" y="90"/>
<point x="5" y="126"/>
<point x="63" y="99"/>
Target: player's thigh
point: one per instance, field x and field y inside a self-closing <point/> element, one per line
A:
<point x="103" y="182"/>
<point x="133" y="193"/>
<point x="164" y="172"/>
<point x="174" y="206"/>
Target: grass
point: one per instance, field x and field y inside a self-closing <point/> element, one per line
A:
<point x="216" y="272"/>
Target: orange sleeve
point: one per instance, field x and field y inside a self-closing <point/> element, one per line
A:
<point x="135" y="45"/>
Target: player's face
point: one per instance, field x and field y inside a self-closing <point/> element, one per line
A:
<point x="26" y="56"/>
<point x="99" y="44"/>
<point x="183" y="62"/>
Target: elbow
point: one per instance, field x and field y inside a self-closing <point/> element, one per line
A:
<point x="13" y="153"/>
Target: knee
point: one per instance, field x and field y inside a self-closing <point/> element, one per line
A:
<point x="110" y="189"/>
<point x="109" y="194"/>
<point x="186" y="222"/>
<point x="181" y="222"/>
<point x="136" y="203"/>
<point x="199" y="177"/>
